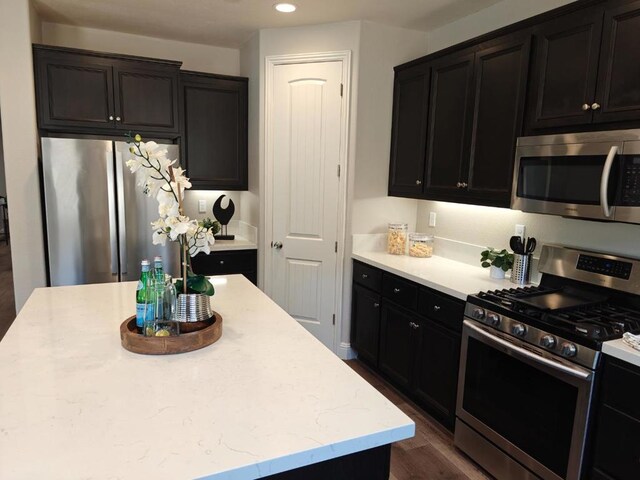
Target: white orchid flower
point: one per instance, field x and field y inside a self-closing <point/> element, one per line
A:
<point x="179" y="225"/>
<point x="135" y="163"/>
<point x="159" y="224"/>
<point x="159" y="237"/>
<point x="167" y="204"/>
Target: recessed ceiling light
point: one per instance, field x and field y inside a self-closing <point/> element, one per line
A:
<point x="285" y="7"/>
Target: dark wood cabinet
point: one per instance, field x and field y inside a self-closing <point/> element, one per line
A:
<point x="436" y="374"/>
<point x="408" y="136"/>
<point x="450" y="115"/>
<point x="79" y="91"/>
<point x="500" y="85"/>
<point x="365" y="314"/>
<point x="397" y="341"/>
<point x="227" y="262"/>
<point x="616" y="448"/>
<point x="618" y="92"/>
<point x="565" y="70"/>
<point x="215" y="116"/>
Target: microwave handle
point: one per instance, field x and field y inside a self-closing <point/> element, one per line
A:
<point x="604" y="182"/>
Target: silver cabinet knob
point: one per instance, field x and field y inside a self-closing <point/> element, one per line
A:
<point x="585" y="107"/>
<point x="276" y="245"/>
<point x="365" y="276"/>
<point x="459" y="185"/>
<point x="463" y="185"/>
<point x="117" y="119"/>
<point x="376" y="305"/>
<point x="414" y="325"/>
<point x="436" y="308"/>
<point x="221" y="262"/>
<point x="396" y="290"/>
<point x="110" y="117"/>
<point x="595" y="106"/>
<point x="418" y="182"/>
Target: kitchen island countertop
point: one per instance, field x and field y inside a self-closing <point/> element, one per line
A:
<point x="266" y="398"/>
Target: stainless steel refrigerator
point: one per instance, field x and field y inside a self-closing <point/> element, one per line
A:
<point x="97" y="217"/>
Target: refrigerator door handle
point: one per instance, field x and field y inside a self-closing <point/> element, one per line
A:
<point x="111" y="197"/>
<point x="122" y="219"/>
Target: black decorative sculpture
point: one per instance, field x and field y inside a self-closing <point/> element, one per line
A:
<point x="223" y="215"/>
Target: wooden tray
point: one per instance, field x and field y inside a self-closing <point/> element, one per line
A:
<point x="210" y="332"/>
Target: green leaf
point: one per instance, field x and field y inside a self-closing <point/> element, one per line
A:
<point x="486" y="264"/>
<point x="196" y="284"/>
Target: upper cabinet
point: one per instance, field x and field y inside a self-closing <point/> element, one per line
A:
<point x="215" y="116"/>
<point x="82" y="90"/>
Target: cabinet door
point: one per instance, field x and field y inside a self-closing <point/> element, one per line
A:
<point x="366" y="324"/>
<point x="146" y="98"/>
<point x="617" y="447"/>
<point x="215" y="131"/>
<point x="564" y="76"/>
<point x="619" y="73"/>
<point x="436" y="379"/>
<point x="73" y="90"/>
<point x="500" y="89"/>
<point x="409" y="131"/>
<point x="450" y="115"/>
<point x="396" y="344"/>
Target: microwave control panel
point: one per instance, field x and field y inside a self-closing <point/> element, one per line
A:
<point x="630" y="194"/>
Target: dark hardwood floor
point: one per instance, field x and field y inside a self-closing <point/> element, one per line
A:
<point x="7" y="302"/>
<point x="430" y="455"/>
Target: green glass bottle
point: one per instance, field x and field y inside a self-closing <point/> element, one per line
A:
<point x="144" y="296"/>
<point x="158" y="274"/>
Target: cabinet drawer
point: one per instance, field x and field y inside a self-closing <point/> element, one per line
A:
<point x="367" y="276"/>
<point x="617" y="450"/>
<point x="443" y="309"/>
<point x="621" y="387"/>
<point x="226" y="262"/>
<point x="402" y="292"/>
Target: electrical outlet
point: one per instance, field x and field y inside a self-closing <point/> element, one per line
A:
<point x="520" y="231"/>
<point x="202" y="206"/>
<point x="432" y="219"/>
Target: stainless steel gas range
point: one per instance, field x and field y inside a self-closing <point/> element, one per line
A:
<point x="530" y="358"/>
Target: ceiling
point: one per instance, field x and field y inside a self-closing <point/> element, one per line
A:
<point x="229" y="23"/>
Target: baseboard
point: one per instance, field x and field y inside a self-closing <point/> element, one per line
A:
<point x="345" y="352"/>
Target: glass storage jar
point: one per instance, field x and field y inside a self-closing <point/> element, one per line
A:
<point x="397" y="238"/>
<point x="420" y="245"/>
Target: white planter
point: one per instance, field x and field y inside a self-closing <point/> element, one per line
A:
<point x="496" y="272"/>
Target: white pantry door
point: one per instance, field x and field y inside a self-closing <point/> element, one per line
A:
<point x="306" y="133"/>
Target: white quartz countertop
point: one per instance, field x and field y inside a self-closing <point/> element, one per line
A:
<point x="619" y="349"/>
<point x="267" y="397"/>
<point x="239" y="243"/>
<point x="447" y="276"/>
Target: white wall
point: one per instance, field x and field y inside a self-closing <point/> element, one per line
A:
<point x="496" y="16"/>
<point x="18" y="27"/>
<point x="202" y="58"/>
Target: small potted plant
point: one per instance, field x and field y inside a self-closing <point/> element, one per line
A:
<point x="500" y="261"/>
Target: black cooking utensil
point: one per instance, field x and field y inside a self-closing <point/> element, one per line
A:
<point x="531" y="245"/>
<point x="516" y="245"/>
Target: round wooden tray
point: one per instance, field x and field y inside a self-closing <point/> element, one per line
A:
<point x="193" y="337"/>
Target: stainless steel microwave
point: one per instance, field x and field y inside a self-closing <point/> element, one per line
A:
<point x="592" y="175"/>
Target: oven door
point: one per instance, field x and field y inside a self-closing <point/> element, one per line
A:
<point x="527" y="402"/>
<point x="572" y="180"/>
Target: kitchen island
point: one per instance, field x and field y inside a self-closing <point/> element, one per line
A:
<point x="266" y="398"/>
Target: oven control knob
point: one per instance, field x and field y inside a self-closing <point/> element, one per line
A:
<point x="548" y="341"/>
<point x="493" y="319"/>
<point x="519" y="330"/>
<point x="478" y="313"/>
<point x="568" y="349"/>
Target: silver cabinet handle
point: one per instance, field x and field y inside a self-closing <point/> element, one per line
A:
<point x="110" y="117"/>
<point x="276" y="245"/>
<point x="221" y="262"/>
<point x="396" y="290"/>
<point x="586" y="107"/>
<point x="376" y="305"/>
<point x="418" y="182"/>
<point x="117" y="119"/>
<point x="595" y="106"/>
<point x="365" y="276"/>
<point x="436" y="308"/>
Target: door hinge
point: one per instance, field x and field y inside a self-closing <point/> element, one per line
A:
<point x="341" y="89"/>
<point x="334" y="318"/>
<point x="336" y="247"/>
<point x="338" y="170"/>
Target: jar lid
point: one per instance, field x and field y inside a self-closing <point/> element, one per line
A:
<point x="421" y="237"/>
<point x="398" y="225"/>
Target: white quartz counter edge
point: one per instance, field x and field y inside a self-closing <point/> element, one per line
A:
<point x="239" y="243"/>
<point x="622" y="351"/>
<point x="447" y="276"/>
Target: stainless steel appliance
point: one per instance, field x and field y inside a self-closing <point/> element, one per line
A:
<point x="529" y="359"/>
<point x="593" y="175"/>
<point x="97" y="217"/>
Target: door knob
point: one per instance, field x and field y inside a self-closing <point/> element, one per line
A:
<point x="586" y="107"/>
<point x="595" y="106"/>
<point x="276" y="245"/>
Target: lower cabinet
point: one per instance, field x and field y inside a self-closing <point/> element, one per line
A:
<point x="227" y="262"/>
<point x="416" y="348"/>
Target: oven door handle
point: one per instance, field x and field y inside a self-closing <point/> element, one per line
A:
<point x="604" y="182"/>
<point x="521" y="352"/>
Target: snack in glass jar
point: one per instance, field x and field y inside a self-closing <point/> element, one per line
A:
<point x="397" y="238"/>
<point x="420" y="245"/>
